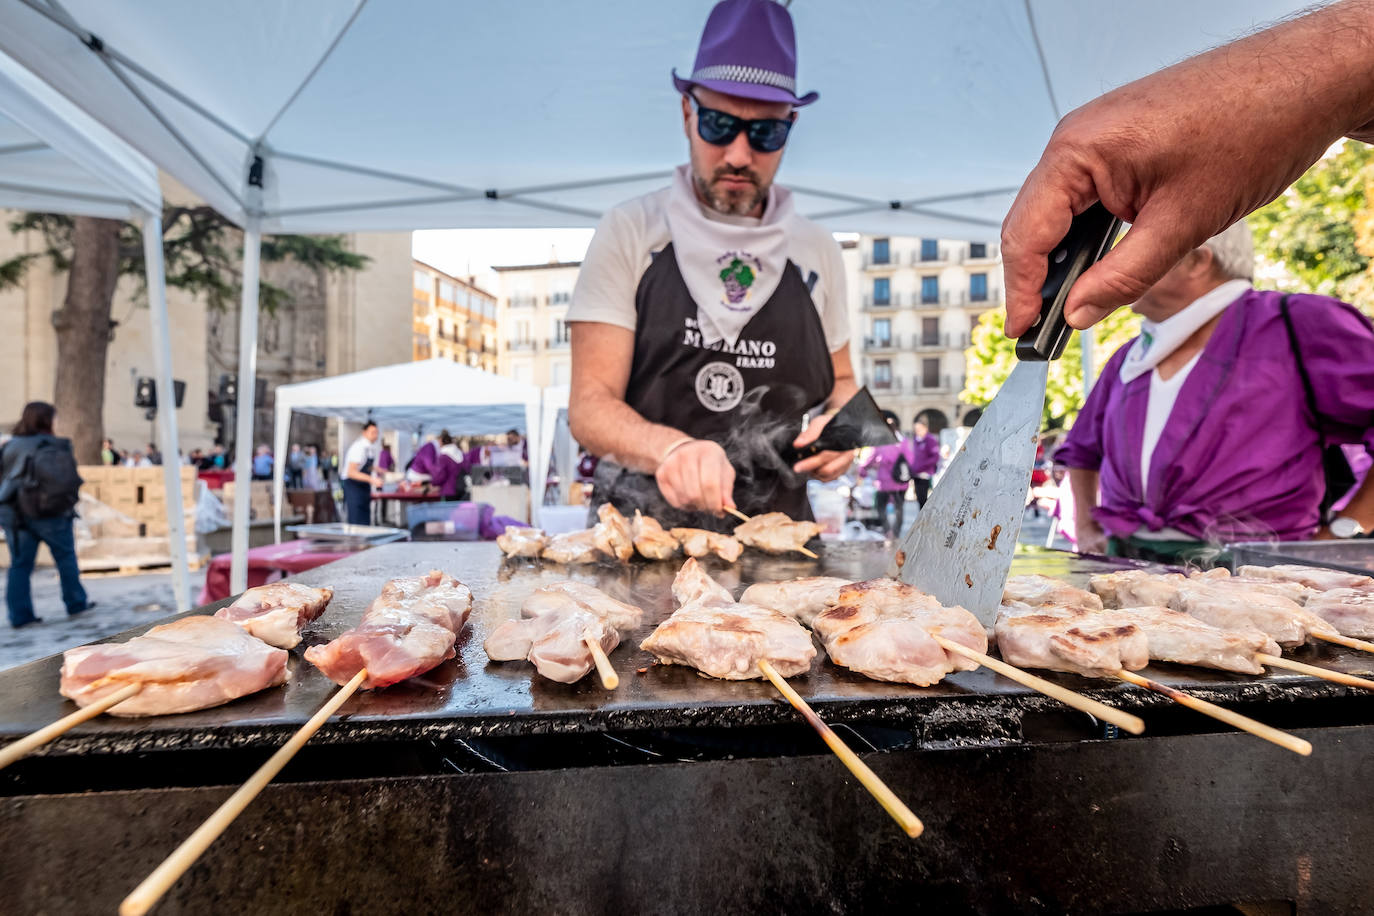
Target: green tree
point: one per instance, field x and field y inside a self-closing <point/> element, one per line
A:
<point x="1311" y="230"/>
<point x="992" y="355"/>
<point x="202" y="251"/>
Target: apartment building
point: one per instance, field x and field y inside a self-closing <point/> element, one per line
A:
<point x="532" y="301"/>
<point x="453" y="318"/>
<point x="913" y="304"/>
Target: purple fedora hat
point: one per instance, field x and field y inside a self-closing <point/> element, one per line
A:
<point x="748" y="49"/>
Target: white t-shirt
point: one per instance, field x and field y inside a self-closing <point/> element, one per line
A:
<point x="358" y="454"/>
<point x="630" y="233"/>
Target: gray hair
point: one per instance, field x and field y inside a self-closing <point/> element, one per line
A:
<point x="1233" y="252"/>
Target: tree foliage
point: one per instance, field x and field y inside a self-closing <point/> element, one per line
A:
<point x="202" y="252"/>
<point x="992" y="355"/>
<point x="1320" y="232"/>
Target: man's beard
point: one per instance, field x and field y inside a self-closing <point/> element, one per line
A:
<point x="727" y="201"/>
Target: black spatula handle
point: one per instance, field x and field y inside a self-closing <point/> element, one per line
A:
<point x="1090" y="237"/>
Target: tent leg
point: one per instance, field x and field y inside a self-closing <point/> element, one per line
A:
<point x="243" y="433"/>
<point x="167" y="411"/>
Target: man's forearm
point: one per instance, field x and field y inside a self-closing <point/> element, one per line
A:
<point x="1361" y="505"/>
<point x="609" y="427"/>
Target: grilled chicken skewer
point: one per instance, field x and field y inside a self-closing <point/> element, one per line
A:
<point x="519" y="541"/>
<point x="561" y="631"/>
<point x="775" y="532"/>
<point x="277" y="613"/>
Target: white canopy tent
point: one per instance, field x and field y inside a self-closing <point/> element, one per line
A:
<point x="418" y="397"/>
<point x="54" y="158"/>
<point x="308" y="117"/>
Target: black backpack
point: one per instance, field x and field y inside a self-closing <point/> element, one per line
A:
<point x="49" y="485"/>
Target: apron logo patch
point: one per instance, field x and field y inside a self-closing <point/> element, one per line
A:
<point x="738" y="274"/>
<point x="720" y="386"/>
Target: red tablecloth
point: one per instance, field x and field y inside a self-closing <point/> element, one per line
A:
<point x="267" y="564"/>
<point x="381" y="500"/>
<point x="214" y="479"/>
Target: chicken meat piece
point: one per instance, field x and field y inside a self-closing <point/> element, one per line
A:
<point x="1174" y="636"/>
<point x="572" y="547"/>
<point x="1349" y="610"/>
<point x="1136" y="588"/>
<point x="1043" y="591"/>
<point x="277" y="613"/>
<point x="624" y="617"/>
<point x="801" y="599"/>
<point x="775" y="532"/>
<point x="720" y="638"/>
<point x="192" y="663"/>
<point x="612" y="534"/>
<point x="519" y="541"/>
<point x="1231" y="605"/>
<point x="1310" y="576"/>
<point x="1070" y="639"/>
<point x="698" y="542"/>
<point x="1293" y="591"/>
<point x="408" y="629"/>
<point x="886" y="630"/>
<point x="652" y="542"/>
<point x="553" y="639"/>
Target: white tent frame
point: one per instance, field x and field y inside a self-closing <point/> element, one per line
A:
<point x="92" y="151"/>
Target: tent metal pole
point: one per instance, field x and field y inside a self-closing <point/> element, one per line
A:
<point x="244" y="412"/>
<point x="167" y="407"/>
<point x="63" y="193"/>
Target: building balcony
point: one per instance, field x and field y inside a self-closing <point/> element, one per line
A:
<point x="944" y="257"/>
<point x="518" y="346"/>
<point x="523" y="302"/>
<point x="942" y="384"/>
<point x="557" y="343"/>
<point x="893" y="301"/>
<point x="946" y="341"/>
<point x="880" y="343"/>
<point x="991" y="298"/>
<point x="891" y="262"/>
<point x="880" y="386"/>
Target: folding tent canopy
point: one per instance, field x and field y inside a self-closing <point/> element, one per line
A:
<point x="423" y="396"/>
<point x="349" y="115"/>
<point x="56" y="159"/>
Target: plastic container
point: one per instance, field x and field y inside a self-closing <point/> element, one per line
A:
<point x="447" y="521"/>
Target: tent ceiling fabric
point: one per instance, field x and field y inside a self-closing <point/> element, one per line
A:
<point x="403" y="114"/>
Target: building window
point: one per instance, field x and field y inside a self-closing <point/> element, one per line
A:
<point x="930" y="290"/>
<point x="978" y="249"/>
<point x="930" y="332"/>
<point x="930" y="249"/>
<point x="441" y="327"/>
<point x="930" y="373"/>
<point x="881" y="254"/>
<point x="978" y="287"/>
<point x="423" y="282"/>
<point x="882" y="373"/>
<point x="448" y="291"/>
<point x="561" y="332"/>
<point x="882" y="331"/>
<point x="882" y="291"/>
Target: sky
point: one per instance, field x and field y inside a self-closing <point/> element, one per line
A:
<point x="461" y="252"/>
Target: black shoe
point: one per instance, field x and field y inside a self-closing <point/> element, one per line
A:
<point x="27" y="623"/>
<point x="89" y="605"/>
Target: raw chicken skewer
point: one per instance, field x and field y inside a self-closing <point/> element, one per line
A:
<point x="572" y="547"/>
<point x="652" y="542"/>
<point x="612" y="535"/>
<point x="706" y="606"/>
<point x="698" y="542"/>
<point x="565" y="630"/>
<point x="150" y="890"/>
<point x="519" y="541"/>
<point x="764" y="531"/>
<point x="277" y="613"/>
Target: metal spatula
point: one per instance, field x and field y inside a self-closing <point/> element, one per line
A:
<point x="960" y="548"/>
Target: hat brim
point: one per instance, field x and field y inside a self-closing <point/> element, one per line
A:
<point x="755" y="91"/>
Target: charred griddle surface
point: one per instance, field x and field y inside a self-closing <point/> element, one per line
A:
<point x="471" y="697"/>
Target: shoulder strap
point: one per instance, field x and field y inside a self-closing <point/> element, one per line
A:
<point x="1302" y="369"/>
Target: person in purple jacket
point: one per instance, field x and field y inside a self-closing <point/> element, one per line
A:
<point x="1199" y="431"/>
<point x="923" y="456"/>
<point x="888" y="464"/>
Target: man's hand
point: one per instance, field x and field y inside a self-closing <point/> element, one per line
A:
<point x="1185" y="152"/>
<point x="822" y="465"/>
<point x="1091" y="537"/>
<point x="698" y="476"/>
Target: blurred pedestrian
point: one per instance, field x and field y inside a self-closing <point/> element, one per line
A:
<point x="359" y="476"/>
<point x="262" y="463"/>
<point x="154" y="455"/>
<point x="295" y="467"/>
<point x="108" y="455"/>
<point x="923" y="453"/>
<point x="39" y="487"/>
<point x="887" y="464"/>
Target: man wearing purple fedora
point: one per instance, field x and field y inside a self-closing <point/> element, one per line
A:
<point x="709" y="316"/>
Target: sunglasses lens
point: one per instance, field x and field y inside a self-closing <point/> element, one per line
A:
<point x="717" y="127"/>
<point x="769" y="136"/>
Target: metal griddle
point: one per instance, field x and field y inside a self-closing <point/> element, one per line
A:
<point x="471" y="697"/>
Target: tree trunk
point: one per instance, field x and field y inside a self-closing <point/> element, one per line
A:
<point x="84" y="330"/>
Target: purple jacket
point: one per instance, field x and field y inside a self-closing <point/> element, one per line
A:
<point x="922" y="456"/>
<point x="923" y="453"/>
<point x="1239" y="456"/>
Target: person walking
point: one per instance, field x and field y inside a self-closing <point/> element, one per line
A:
<point x="295" y="467"/>
<point x="39" y="487"/>
<point x="922" y="452"/>
<point x="108" y="455"/>
<point x="887" y="462"/>
<point x="359" y="476"/>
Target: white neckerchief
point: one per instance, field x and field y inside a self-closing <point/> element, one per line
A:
<point x="731" y="264"/>
<point x="1158" y="339"/>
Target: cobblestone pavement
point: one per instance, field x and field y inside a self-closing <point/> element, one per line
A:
<point x="121" y="602"/>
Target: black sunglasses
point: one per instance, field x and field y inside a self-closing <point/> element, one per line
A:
<point x="719" y="128"/>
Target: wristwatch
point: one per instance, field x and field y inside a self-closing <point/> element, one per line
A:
<point x="1346" y="527"/>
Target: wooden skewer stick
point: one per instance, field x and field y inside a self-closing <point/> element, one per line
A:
<point x="1348" y="641"/>
<point x="803" y="550"/>
<point x="609" y="679"/>
<point x="1326" y="674"/>
<point x="744" y="518"/>
<point x="894" y="806"/>
<point x="1131" y="723"/>
<point x="31" y="742"/>
<point x="1220" y="713"/>
<point x="147" y="894"/>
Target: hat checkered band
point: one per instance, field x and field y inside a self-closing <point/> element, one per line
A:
<point x="736" y="73"/>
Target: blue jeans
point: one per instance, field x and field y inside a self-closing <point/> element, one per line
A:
<point x="24" y="535"/>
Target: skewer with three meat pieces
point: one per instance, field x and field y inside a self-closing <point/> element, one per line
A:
<point x="411" y="627"/>
<point x="721" y="638"/>
<point x="775" y="532"/>
<point x="192" y="663"/>
<point x="890" y="631"/>
<point x="565" y="630"/>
